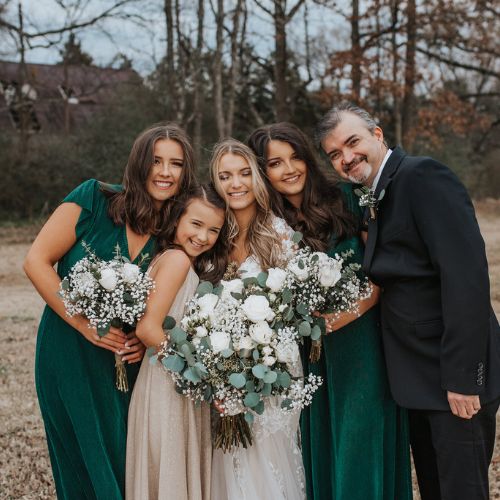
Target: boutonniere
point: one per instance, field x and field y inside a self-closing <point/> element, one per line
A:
<point x="367" y="199"/>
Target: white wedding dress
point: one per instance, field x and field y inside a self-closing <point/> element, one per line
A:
<point x="272" y="468"/>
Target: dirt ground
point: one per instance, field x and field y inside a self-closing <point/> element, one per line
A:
<point x="24" y="463"/>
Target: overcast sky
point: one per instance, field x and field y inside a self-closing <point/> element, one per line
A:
<point x="145" y="45"/>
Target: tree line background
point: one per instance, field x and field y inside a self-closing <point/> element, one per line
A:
<point x="428" y="70"/>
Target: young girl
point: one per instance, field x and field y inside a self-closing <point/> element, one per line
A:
<point x="169" y="450"/>
<point x="354" y="437"/>
<point x="85" y="415"/>
<point x="270" y="469"/>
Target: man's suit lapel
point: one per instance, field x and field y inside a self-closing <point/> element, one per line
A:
<point x="390" y="169"/>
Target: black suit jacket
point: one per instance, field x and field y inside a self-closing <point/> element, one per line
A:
<point x="425" y="250"/>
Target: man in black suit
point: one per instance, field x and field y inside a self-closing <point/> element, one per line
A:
<point x="441" y="336"/>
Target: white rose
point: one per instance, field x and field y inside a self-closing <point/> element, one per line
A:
<point x="287" y="352"/>
<point x="220" y="341"/>
<point x="256" y="308"/>
<point x="267" y="350"/>
<point x="201" y="331"/>
<point x="245" y="342"/>
<point x="207" y="303"/>
<point x="233" y="286"/>
<point x="268" y="360"/>
<point x="302" y="274"/>
<point x="261" y="333"/>
<point x="329" y="275"/>
<point x="276" y="279"/>
<point x="196" y="341"/>
<point x="130" y="272"/>
<point x="108" y="279"/>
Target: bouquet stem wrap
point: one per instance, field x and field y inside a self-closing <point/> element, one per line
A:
<point x="121" y="374"/>
<point x="232" y="431"/>
<point x="315" y="352"/>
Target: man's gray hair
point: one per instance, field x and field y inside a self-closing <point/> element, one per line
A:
<point x="333" y="117"/>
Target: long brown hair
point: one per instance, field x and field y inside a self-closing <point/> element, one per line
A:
<point x="262" y="240"/>
<point x="325" y="214"/>
<point x="210" y="265"/>
<point x="134" y="205"/>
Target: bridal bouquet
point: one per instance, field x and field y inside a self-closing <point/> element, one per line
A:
<point x="237" y="344"/>
<point x="107" y="293"/>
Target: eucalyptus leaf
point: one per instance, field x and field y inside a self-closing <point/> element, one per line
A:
<point x="284" y="379"/>
<point x="173" y="363"/>
<point x="65" y="284"/>
<point x="286" y="404"/>
<point x="177" y="335"/>
<point x="207" y="394"/>
<point x="315" y="332"/>
<point x="237" y="380"/>
<point x="227" y="353"/>
<point x="192" y="375"/>
<point x="187" y="354"/>
<point x="255" y="355"/>
<point x="204" y="287"/>
<point x="251" y="399"/>
<point x="300" y="263"/>
<point x="286" y="296"/>
<point x="151" y="351"/>
<point x="249" y="281"/>
<point x="266" y="390"/>
<point x="302" y="309"/>
<point x="218" y="290"/>
<point x="236" y="295"/>
<point x="259" y="370"/>
<point x="305" y="329"/>
<point x="201" y="368"/>
<point x="250" y="386"/>
<point x="288" y="313"/>
<point x="249" y="418"/>
<point x="153" y="359"/>
<point x="297" y="237"/>
<point x="169" y="323"/>
<point x="259" y="408"/>
<point x="270" y="377"/>
<point x="261" y="279"/>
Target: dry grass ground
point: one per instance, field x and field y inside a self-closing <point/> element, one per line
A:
<point x="24" y="464"/>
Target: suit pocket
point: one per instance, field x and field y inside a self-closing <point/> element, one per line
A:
<point x="429" y="329"/>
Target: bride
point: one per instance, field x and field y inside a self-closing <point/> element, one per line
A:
<point x="270" y="469"/>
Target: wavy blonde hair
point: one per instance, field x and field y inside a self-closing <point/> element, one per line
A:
<point x="262" y="240"/>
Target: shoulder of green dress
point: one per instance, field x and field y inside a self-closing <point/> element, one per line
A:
<point x="107" y="188"/>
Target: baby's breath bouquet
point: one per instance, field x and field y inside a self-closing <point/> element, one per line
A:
<point x="238" y="344"/>
<point x="320" y="283"/>
<point x="107" y="293"/>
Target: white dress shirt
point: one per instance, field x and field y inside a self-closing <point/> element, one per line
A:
<point x="379" y="173"/>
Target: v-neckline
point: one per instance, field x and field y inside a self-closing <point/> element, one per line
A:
<point x="127" y="249"/>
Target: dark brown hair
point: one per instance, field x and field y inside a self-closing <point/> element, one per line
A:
<point x="134" y="205"/>
<point x="210" y="265"/>
<point x="323" y="207"/>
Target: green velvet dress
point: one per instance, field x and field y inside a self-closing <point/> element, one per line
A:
<point x="355" y="441"/>
<point x="85" y="416"/>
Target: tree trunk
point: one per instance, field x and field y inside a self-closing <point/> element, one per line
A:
<point x="280" y="66"/>
<point x="218" y="91"/>
<point x="395" y="83"/>
<point x="170" y="73"/>
<point x="408" y="100"/>
<point x="356" y="52"/>
<point x="198" y="88"/>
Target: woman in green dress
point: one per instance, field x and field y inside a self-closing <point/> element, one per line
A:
<point x="85" y="416"/>
<point x="354" y="437"/>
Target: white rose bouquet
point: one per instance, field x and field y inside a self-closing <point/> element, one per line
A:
<point x="107" y="293"/>
<point x="235" y="346"/>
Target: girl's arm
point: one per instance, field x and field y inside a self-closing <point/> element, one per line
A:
<point x="54" y="240"/>
<point x="335" y="322"/>
<point x="169" y="274"/>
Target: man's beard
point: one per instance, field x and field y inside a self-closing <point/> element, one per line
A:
<point x="362" y="176"/>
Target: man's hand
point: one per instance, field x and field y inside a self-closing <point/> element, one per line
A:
<point x="463" y="405"/>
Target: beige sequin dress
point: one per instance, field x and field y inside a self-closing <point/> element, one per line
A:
<point x="169" y="448"/>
